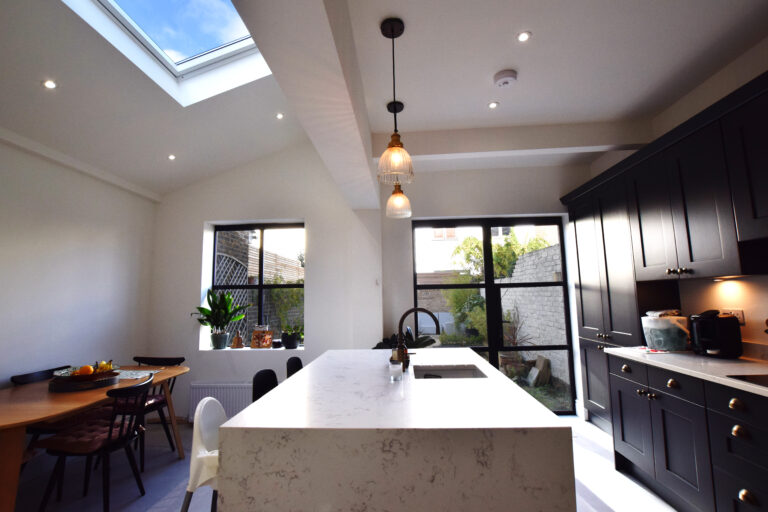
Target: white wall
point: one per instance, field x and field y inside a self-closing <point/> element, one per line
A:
<point x="521" y="191"/>
<point x="74" y="266"/>
<point x="342" y="307"/>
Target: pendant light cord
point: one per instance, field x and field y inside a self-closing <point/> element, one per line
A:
<point x="394" y="97"/>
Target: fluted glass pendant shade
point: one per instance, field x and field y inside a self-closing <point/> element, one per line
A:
<point x="395" y="163"/>
<point x="398" y="205"/>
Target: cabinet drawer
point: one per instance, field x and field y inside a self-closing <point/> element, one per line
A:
<point x="737" y="447"/>
<point x="676" y="384"/>
<point x="735" y="494"/>
<point x="740" y="405"/>
<point x="630" y="370"/>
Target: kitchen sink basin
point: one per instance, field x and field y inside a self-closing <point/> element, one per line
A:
<point x="447" y="371"/>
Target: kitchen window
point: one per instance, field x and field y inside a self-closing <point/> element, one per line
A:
<point x="262" y="265"/>
<point x="499" y="287"/>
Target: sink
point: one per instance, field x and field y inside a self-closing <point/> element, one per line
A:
<point x="761" y="380"/>
<point x="447" y="371"/>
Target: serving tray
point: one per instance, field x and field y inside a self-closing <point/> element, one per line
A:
<point x="69" y="383"/>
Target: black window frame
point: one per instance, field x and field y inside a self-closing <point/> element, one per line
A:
<point x="260" y="286"/>
<point x="493" y="306"/>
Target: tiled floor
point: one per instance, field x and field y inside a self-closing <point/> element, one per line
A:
<point x="599" y="487"/>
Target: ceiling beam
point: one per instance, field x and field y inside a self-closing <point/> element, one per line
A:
<point x="308" y="45"/>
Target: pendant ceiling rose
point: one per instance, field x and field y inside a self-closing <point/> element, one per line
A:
<point x="392" y="28"/>
<point x="395" y="107"/>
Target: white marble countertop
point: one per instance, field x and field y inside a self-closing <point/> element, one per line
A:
<point x="351" y="389"/>
<point x="702" y="367"/>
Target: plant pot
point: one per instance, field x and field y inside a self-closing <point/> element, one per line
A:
<point x="290" y="341"/>
<point x="220" y="341"/>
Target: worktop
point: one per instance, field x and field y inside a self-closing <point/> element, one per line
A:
<point x="339" y="435"/>
<point x="702" y="367"/>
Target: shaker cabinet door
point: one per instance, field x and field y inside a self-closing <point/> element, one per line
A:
<point x="621" y="321"/>
<point x="631" y="414"/>
<point x="650" y="217"/>
<point x="705" y="231"/>
<point x="745" y="133"/>
<point x="594" y="379"/>
<point x="589" y="305"/>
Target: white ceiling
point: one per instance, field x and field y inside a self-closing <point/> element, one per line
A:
<point x="588" y="60"/>
<point x="109" y="115"/>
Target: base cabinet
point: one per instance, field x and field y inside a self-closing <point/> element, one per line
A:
<point x="661" y="435"/>
<point x="594" y="380"/>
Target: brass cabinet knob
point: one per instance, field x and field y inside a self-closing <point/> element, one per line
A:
<point x="672" y="384"/>
<point x="735" y="404"/>
<point x="601" y="347"/>
<point x="626" y="369"/>
<point x="642" y="392"/>
<point x="669" y="271"/>
<point x="606" y="336"/>
<point x="747" y="497"/>
<point x="652" y="396"/>
<point x="738" y="431"/>
<point x="684" y="270"/>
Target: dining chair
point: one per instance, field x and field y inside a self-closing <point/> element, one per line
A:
<point x="293" y="365"/>
<point x="101" y="437"/>
<point x="156" y="400"/>
<point x="263" y="382"/>
<point x="29" y="378"/>
<point x="204" y="461"/>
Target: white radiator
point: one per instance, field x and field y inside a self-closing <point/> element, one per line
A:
<point x="234" y="396"/>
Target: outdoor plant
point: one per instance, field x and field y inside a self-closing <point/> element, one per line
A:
<point x="221" y="311"/>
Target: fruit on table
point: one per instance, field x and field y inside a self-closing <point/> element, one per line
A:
<point x="84" y="370"/>
<point x="104" y="366"/>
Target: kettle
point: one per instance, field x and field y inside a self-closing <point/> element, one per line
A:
<point x="716" y="335"/>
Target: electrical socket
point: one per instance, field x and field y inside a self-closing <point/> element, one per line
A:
<point x="738" y="313"/>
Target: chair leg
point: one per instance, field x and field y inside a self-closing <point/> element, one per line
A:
<point x="165" y="427"/>
<point x="51" y="482"/>
<point x="140" y="440"/>
<point x="214" y="500"/>
<point x="134" y="468"/>
<point x="105" y="479"/>
<point x="60" y="488"/>
<point x="187" y="500"/>
<point x="87" y="479"/>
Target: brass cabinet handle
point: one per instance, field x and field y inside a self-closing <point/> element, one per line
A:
<point x="735" y="404"/>
<point x="642" y="392"/>
<point x="672" y="384"/>
<point x="747" y="497"/>
<point x="600" y="335"/>
<point x="738" y="431"/>
<point x="684" y="270"/>
<point x="606" y="336"/>
<point x="669" y="271"/>
<point x="652" y="396"/>
<point x="601" y="347"/>
<point x="626" y="369"/>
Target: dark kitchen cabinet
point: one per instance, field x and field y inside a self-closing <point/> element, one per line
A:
<point x="594" y="379"/>
<point x="631" y="414"/>
<point x="745" y="133"/>
<point x="681" y="449"/>
<point x="680" y="211"/>
<point x="606" y="296"/>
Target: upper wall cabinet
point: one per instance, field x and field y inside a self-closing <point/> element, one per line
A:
<point x="606" y="305"/>
<point x="680" y="211"/>
<point x="745" y="132"/>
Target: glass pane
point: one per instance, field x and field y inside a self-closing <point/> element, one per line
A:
<point x="284" y="309"/>
<point x="461" y="313"/>
<point x="237" y="257"/>
<point x="448" y="255"/>
<point x="284" y="255"/>
<point x="544" y="374"/>
<point x="186" y="28"/>
<point x="240" y="298"/>
<point x="526" y="254"/>
<point x="533" y="316"/>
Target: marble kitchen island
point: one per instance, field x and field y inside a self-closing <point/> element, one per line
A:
<point x="339" y="436"/>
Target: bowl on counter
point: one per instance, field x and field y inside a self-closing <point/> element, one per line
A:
<point x="666" y="332"/>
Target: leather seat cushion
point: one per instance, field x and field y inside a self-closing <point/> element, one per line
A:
<point x="81" y="439"/>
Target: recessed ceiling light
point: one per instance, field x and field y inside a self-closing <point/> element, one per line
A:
<point x="523" y="36"/>
<point x="171" y="157"/>
<point x="492" y="105"/>
<point x="279" y="115"/>
<point x="49" y="84"/>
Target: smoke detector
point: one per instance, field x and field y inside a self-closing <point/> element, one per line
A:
<point x="505" y="78"/>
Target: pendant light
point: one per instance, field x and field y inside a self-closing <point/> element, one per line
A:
<point x="395" y="165"/>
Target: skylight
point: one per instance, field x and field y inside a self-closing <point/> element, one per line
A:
<point x="184" y="35"/>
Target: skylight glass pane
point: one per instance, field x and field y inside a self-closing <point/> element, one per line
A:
<point x="186" y="28"/>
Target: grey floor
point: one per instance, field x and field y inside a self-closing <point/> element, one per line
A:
<point x="599" y="488"/>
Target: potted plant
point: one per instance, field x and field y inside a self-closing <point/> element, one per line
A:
<point x="291" y="336"/>
<point x="220" y="312"/>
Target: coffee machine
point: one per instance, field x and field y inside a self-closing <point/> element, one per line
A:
<point x="716" y="335"/>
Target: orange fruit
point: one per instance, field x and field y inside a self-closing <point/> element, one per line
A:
<point x="84" y="370"/>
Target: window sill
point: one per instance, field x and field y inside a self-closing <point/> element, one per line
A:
<point x="249" y="349"/>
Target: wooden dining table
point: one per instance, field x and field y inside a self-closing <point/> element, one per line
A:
<point x="30" y="403"/>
